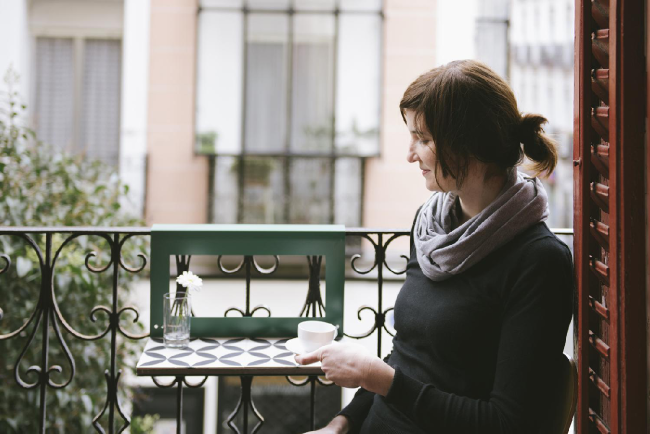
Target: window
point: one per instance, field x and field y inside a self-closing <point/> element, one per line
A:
<point x="552" y="30"/>
<point x="492" y="27"/>
<point x="77" y="95"/>
<point x="287" y="107"/>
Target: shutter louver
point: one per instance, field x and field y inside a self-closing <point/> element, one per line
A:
<point x="609" y="216"/>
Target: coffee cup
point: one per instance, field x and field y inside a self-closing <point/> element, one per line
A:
<point x="314" y="334"/>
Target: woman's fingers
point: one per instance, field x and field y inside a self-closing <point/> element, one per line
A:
<point x="345" y="364"/>
<point x="309" y="358"/>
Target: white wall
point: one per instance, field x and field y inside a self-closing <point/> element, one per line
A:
<point x="14" y="44"/>
<point x="455" y="32"/>
<point x="135" y="80"/>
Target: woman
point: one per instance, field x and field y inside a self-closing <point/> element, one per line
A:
<point x="482" y="317"/>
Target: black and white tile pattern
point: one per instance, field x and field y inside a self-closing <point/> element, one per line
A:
<point x="221" y="356"/>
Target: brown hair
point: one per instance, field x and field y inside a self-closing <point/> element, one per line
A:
<point x="471" y="112"/>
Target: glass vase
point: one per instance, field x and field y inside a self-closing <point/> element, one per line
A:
<point x="176" y="319"/>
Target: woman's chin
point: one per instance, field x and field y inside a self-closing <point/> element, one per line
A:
<point x="434" y="188"/>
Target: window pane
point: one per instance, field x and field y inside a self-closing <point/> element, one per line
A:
<point x="222" y="3"/>
<point x="494" y="9"/>
<point x="347" y="192"/>
<point x="321" y="5"/>
<point x="263" y="190"/>
<point x="268" y="4"/>
<point x="266" y="77"/>
<point x="358" y="85"/>
<point x="313" y="81"/>
<point x="492" y="35"/>
<point x="54" y="101"/>
<point x="361" y="5"/>
<point x="224" y="202"/>
<point x="219" y="82"/>
<point x="101" y="100"/>
<point x="310" y="201"/>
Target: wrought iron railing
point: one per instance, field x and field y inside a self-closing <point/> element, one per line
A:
<point x="47" y="315"/>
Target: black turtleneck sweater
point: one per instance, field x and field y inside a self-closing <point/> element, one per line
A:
<point x="479" y="352"/>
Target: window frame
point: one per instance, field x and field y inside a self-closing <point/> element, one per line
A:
<point x="287" y="155"/>
<point x="79" y="36"/>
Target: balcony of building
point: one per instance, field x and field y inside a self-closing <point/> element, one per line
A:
<point x="70" y="346"/>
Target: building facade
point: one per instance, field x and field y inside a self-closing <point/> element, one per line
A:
<point x="277" y="112"/>
<point x="83" y="68"/>
<point x="284" y="112"/>
<point x="541" y="74"/>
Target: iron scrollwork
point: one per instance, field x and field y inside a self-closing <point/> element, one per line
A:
<point x="249" y="264"/>
<point x="380" y="247"/>
<point x="314" y="300"/>
<point x="48" y="314"/>
<point x="245" y="403"/>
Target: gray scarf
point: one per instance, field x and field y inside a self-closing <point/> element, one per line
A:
<point x="444" y="249"/>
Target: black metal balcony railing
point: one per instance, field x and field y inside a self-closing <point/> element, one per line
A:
<point x="47" y="316"/>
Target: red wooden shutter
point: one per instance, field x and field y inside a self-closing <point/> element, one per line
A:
<point x="609" y="215"/>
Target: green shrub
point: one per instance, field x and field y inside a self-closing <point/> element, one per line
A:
<point x="42" y="187"/>
<point x="144" y="424"/>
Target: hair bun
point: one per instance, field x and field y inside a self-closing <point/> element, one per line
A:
<point x="530" y="134"/>
<point x="537" y="146"/>
<point x="530" y="126"/>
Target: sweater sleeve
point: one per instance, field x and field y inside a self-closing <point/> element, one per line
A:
<point x="536" y="312"/>
<point x="357" y="410"/>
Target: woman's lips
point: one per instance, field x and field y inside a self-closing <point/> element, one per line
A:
<point x="424" y="172"/>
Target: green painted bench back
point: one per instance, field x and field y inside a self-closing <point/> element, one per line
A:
<point x="170" y="240"/>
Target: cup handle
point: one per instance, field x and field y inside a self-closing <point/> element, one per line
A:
<point x="336" y="332"/>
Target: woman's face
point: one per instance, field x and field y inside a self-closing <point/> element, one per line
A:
<point x="422" y="151"/>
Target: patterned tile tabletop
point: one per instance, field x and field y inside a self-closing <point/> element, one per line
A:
<point x="222" y="356"/>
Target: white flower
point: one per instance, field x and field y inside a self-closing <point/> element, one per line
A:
<point x="190" y="281"/>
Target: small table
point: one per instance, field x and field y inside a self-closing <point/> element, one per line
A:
<point x="222" y="356"/>
<point x="244" y="357"/>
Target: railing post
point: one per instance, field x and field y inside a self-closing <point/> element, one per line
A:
<point x="112" y="386"/>
<point x="179" y="404"/>
<point x="46" y="294"/>
<point x="312" y="413"/>
<point x="246" y="382"/>
<point x="381" y="255"/>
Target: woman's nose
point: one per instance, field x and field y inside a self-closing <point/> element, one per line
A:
<point x="411" y="156"/>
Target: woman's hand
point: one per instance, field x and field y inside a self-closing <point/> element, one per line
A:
<point x="338" y="425"/>
<point x="350" y="365"/>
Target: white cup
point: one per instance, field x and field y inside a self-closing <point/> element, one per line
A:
<point x="314" y="334"/>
